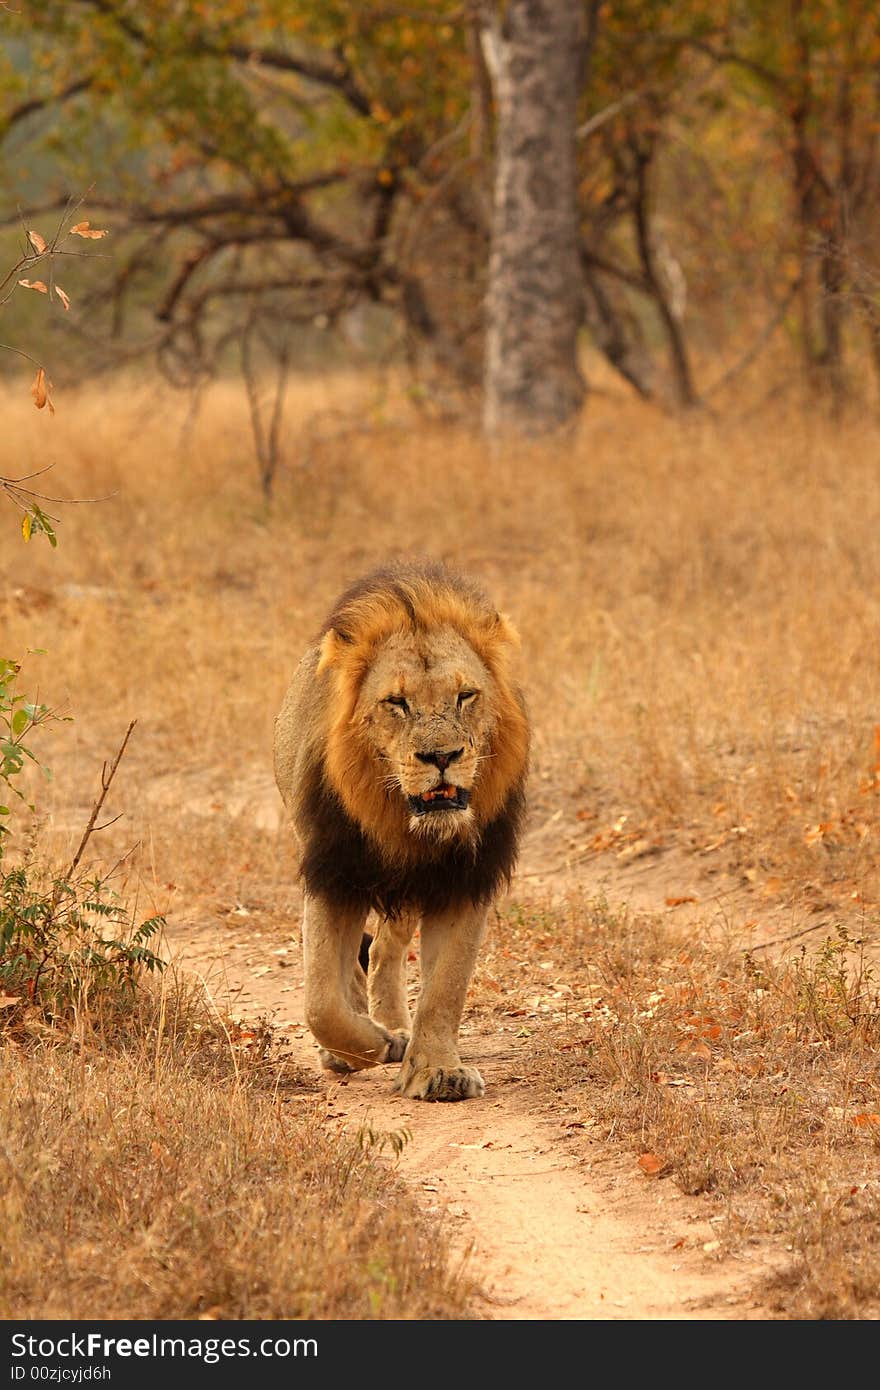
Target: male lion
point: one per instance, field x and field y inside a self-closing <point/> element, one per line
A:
<point x="400" y="752"/>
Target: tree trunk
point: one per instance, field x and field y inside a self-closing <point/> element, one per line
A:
<point x="609" y="330"/>
<point x="535" y="54"/>
<point x="681" y="367"/>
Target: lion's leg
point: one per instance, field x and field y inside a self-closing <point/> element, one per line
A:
<point x="386" y="979"/>
<point x="331" y="938"/>
<point x="432" y="1068"/>
<point x="357" y="982"/>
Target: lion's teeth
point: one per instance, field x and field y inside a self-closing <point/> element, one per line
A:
<point x="447" y="793"/>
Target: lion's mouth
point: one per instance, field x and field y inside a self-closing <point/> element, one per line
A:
<point x="442" y="798"/>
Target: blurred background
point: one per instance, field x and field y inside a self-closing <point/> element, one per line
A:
<point x="293" y="185"/>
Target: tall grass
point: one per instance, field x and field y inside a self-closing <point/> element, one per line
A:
<point x="698" y="600"/>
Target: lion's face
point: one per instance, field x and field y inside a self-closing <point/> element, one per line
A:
<point x="427" y="712"/>
<point x="423" y="736"/>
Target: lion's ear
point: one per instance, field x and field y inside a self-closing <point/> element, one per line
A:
<point x="504" y="631"/>
<point x="333" y="643"/>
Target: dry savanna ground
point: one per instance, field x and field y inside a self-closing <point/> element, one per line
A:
<point x="689" y="948"/>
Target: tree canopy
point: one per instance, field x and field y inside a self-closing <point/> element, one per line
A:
<point x="275" y="169"/>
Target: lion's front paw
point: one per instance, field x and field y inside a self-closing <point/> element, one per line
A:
<point x="426" y="1082"/>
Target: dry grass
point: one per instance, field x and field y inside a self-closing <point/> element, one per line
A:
<point x="749" y="1081"/>
<point x="699" y="604"/>
<point x="180" y="1169"/>
<point x="699" y="607"/>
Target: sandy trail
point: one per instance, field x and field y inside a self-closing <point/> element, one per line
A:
<point x="549" y="1235"/>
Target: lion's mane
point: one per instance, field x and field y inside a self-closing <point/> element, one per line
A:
<point x="357" y="849"/>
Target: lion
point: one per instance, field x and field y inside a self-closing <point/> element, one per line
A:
<point x="401" y="753"/>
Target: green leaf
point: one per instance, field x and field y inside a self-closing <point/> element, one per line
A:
<point x="42" y="523"/>
<point x="20" y="721"/>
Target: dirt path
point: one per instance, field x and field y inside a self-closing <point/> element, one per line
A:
<point x="548" y="1235"/>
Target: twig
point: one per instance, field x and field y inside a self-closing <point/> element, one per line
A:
<point x="792" y="936"/>
<point x="107" y="776"/>
<point x="759" y="344"/>
<point x="14" y="485"/>
<point x="607" y="114"/>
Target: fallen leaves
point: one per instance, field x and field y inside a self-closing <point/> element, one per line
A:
<point x="651" y="1164"/>
<point x="815" y="834"/>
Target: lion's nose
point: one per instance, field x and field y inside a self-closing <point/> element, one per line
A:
<point x="441" y="760"/>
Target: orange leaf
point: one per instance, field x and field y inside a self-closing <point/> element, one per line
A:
<point x="701" y="1050"/>
<point x="35" y="285"/>
<point x="37" y="242"/>
<point x="40" y="388"/>
<point x="84" y="229"/>
<point x="62" y="296"/>
<point x="677" y="902"/>
<point x="651" y="1164"/>
<point x="866" y="1118"/>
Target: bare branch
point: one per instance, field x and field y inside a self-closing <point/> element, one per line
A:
<point x="193" y="262"/>
<point x="270" y="286"/>
<point x="761" y="341"/>
<point x="269" y="201"/>
<point x="339" y="77"/>
<point x="28" y="108"/>
<point x="336" y="75"/>
<point x="107" y="775"/>
<point x="607" y="114"/>
<point x="721" y="55"/>
<point x="631" y="278"/>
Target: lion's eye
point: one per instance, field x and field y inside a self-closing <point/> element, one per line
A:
<point x="467" y="697"/>
<point x="397" y="702"/>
